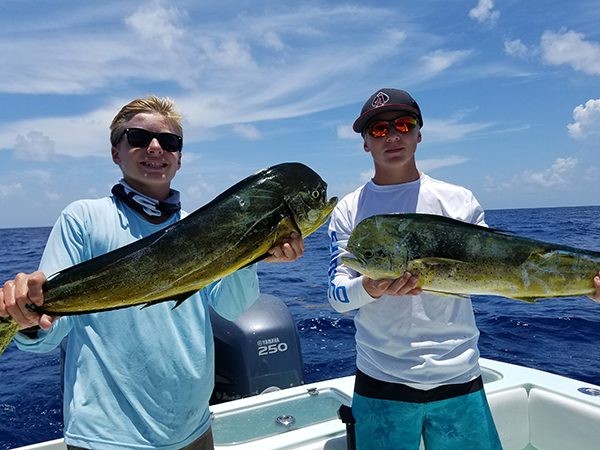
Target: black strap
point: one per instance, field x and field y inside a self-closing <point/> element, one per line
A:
<point x="345" y="415"/>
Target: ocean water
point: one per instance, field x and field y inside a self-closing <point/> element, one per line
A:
<point x="555" y="335"/>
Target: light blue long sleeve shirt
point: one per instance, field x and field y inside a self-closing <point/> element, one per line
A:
<point x="134" y="378"/>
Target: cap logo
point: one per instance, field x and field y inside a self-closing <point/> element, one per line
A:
<point x="380" y="99"/>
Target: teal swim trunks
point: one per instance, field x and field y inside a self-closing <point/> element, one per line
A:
<point x="453" y="421"/>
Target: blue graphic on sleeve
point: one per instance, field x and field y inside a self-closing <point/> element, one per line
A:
<point x="334" y="292"/>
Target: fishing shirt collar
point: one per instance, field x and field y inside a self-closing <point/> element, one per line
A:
<point x="144" y="204"/>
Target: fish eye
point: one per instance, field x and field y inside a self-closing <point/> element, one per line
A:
<point x="315" y="194"/>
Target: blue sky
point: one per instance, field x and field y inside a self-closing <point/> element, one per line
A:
<point x="510" y="93"/>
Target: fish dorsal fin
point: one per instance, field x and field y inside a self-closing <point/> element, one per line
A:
<point x="435" y="218"/>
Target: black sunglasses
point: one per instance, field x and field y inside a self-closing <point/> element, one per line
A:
<point x="138" y="137"/>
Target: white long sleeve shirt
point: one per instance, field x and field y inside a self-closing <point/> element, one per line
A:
<point x="423" y="341"/>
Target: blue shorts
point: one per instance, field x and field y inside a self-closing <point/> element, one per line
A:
<point x="461" y="422"/>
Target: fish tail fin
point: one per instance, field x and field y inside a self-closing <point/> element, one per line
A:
<point x="8" y="330"/>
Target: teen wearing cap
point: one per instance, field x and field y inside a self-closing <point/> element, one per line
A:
<point x="418" y="374"/>
<point x="134" y="378"/>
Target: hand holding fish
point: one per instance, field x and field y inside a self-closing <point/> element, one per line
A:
<point x="290" y="249"/>
<point x="24" y="290"/>
<point x="404" y="285"/>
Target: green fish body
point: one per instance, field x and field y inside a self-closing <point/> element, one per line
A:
<point x="458" y="258"/>
<point x="234" y="230"/>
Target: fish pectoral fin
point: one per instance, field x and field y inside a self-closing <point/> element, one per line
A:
<point x="349" y="260"/>
<point x="178" y="299"/>
<point x="290" y="208"/>
<point x="285" y="227"/>
<point x="553" y="259"/>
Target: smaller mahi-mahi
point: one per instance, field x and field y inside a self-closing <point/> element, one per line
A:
<point x="234" y="230"/>
<point x="457" y="258"/>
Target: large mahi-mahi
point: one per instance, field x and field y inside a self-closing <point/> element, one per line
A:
<point x="458" y="258"/>
<point x="235" y="229"/>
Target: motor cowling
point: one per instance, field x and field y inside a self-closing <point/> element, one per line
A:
<point x="257" y="352"/>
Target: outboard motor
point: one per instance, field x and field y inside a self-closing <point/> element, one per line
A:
<point x="257" y="352"/>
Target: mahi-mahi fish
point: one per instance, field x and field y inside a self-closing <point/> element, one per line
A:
<point x="457" y="258"/>
<point x="234" y="230"/>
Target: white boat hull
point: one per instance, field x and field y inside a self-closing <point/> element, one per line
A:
<point x="532" y="410"/>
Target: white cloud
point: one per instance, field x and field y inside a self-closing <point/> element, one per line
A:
<point x="557" y="175"/>
<point x="42" y="182"/>
<point x="246" y="131"/>
<point x="229" y="53"/>
<point x="440" y="60"/>
<point x="273" y="40"/>
<point x="266" y="65"/>
<point x="78" y="136"/>
<point x="346" y="132"/>
<point x="314" y="80"/>
<point x="436" y="163"/>
<point x="157" y="23"/>
<point x="53" y="196"/>
<point x="83" y="64"/>
<point x="591" y="174"/>
<point x="77" y="57"/>
<point x="40" y="176"/>
<point x="367" y="175"/>
<point x="435" y="130"/>
<point x="587" y="120"/>
<point x="200" y="192"/>
<point x="10" y="189"/>
<point x="234" y="68"/>
<point x="515" y="48"/>
<point x="484" y="12"/>
<point x="490" y="184"/>
<point x="34" y="146"/>
<point x="569" y="47"/>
